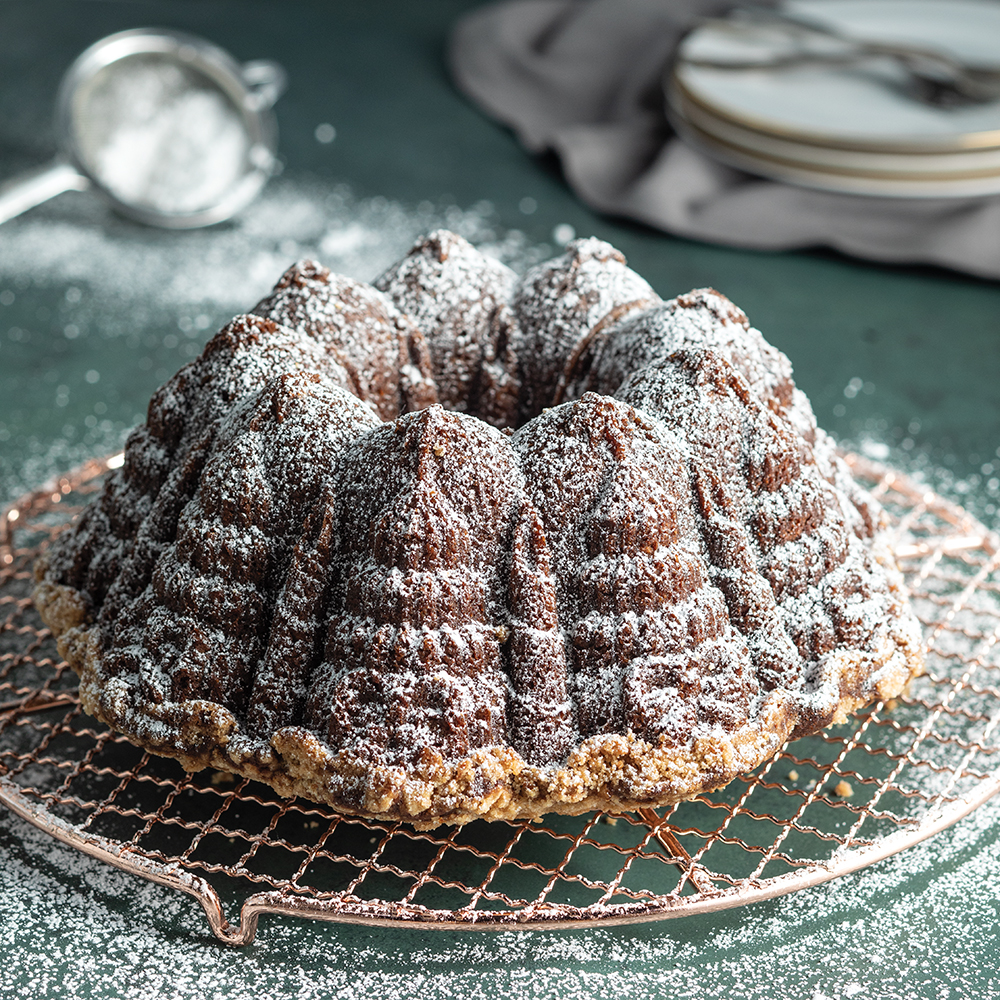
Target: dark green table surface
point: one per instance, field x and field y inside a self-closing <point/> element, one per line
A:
<point x="96" y="312"/>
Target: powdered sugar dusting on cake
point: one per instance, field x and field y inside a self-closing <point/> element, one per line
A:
<point x="385" y="355"/>
<point x="198" y="628"/>
<point x="702" y="318"/>
<point x="413" y="629"/>
<point x="459" y="298"/>
<point x="181" y="418"/>
<point x="799" y="582"/>
<point x="705" y="318"/>
<point x="562" y="304"/>
<point x="646" y="629"/>
<point x="311" y="572"/>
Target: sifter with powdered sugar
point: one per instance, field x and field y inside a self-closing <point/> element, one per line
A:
<point x="168" y="127"/>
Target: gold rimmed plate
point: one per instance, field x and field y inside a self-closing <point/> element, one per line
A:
<point x="852" y="127"/>
<point x="874" y="183"/>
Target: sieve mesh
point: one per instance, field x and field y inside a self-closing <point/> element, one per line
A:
<point x="824" y="806"/>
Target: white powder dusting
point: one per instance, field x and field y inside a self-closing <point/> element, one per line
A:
<point x="596" y="470"/>
<point x="157" y="136"/>
<point x="889" y="932"/>
<point x="231" y="266"/>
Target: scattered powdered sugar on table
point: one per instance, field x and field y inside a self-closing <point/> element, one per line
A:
<point x="886" y="932"/>
<point x="231" y="266"/>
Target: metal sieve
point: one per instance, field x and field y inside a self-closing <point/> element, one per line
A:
<point x="167" y="127"/>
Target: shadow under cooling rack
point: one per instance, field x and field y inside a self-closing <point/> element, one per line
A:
<point x="824" y="806"/>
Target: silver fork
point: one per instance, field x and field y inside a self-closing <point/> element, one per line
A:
<point x="939" y="78"/>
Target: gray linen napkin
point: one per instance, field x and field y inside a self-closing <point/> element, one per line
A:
<point x="583" y="79"/>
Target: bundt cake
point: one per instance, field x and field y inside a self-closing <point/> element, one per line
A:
<point x="465" y="545"/>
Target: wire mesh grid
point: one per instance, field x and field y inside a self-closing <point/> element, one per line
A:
<point x="824" y="806"/>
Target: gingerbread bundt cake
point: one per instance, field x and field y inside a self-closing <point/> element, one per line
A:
<point x="463" y="545"/>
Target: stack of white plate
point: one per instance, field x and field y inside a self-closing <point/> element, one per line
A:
<point x="857" y="127"/>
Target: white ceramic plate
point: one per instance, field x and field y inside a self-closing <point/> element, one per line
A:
<point x="863" y="107"/>
<point x="959" y="165"/>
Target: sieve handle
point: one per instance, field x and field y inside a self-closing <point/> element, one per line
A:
<point x="35" y="186"/>
<point x="266" y="82"/>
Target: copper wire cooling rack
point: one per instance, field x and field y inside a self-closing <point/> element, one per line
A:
<point x="824" y="806"/>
